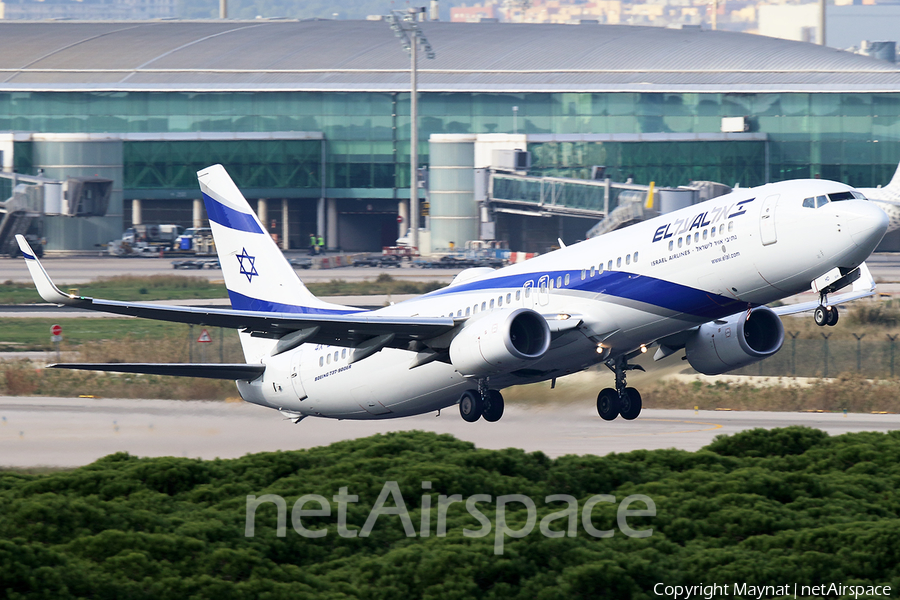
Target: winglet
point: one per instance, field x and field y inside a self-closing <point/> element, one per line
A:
<point x="48" y="291"/>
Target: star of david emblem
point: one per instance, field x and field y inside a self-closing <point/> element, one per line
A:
<point x="249" y="268"/>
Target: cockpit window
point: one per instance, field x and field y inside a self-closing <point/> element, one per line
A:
<point x="838" y="196"/>
<point x="815" y="202"/>
<point x="819" y="201"/>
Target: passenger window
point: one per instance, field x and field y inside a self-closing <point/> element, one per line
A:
<point x="344" y="353"/>
<point x="671" y="245"/>
<point x="600" y="268"/>
<point x="704" y="234"/>
<point x="619" y="263"/>
<point x="328" y="358"/>
<point x="609" y="266"/>
<point x="336" y="354"/>
<point x="492" y="303"/>
<point x="459" y="313"/>
<point x="567" y="283"/>
<point x="527" y="295"/>
<point x="809" y="203"/>
<point x="628" y="259"/>
<point x="500" y="301"/>
<point x="635" y="256"/>
<point x="321" y="361"/>
<point x="583" y="274"/>
<point x="712" y="232"/>
<point x="467" y="311"/>
<point x="508" y="298"/>
<point x="559" y="282"/>
<point x="722" y="229"/>
<point x="730" y="226"/>
<point x="484" y="304"/>
<point x="697" y="237"/>
<point x="518" y="296"/>
<point x="592" y="271"/>
<point x="679" y="242"/>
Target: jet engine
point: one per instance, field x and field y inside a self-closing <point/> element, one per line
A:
<point x="734" y="342"/>
<point x="500" y="340"/>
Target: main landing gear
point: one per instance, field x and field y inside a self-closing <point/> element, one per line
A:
<point x="625" y="401"/>
<point x="824" y="314"/>
<point x="482" y="402"/>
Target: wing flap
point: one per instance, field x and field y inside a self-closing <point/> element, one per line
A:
<point x="234" y="372"/>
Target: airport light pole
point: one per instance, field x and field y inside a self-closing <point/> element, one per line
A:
<point x="405" y="27"/>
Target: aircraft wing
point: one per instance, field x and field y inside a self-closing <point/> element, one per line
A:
<point x="863" y="287"/>
<point x="317" y="328"/>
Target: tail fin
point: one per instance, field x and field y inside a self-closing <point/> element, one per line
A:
<point x="257" y="275"/>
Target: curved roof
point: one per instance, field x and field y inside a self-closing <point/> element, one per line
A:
<point x="365" y="55"/>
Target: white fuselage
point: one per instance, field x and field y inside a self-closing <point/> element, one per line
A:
<point x="628" y="288"/>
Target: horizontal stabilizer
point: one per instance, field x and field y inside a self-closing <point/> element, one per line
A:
<point x="234" y="372"/>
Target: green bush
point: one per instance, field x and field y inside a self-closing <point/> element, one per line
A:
<point x="763" y="507"/>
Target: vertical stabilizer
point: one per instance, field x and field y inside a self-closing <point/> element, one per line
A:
<point x="257" y="274"/>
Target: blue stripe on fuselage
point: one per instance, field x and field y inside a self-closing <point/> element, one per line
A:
<point x="640" y="288"/>
<point x="242" y="302"/>
<point x="228" y="217"/>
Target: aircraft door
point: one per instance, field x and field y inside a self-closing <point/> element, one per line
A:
<point x="767" y="220"/>
<point x="295" y="374"/>
<point x="543" y="295"/>
<point x="528" y="294"/>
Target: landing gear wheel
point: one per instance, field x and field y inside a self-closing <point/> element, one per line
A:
<point x="493" y="407"/>
<point x="470" y="406"/>
<point x="630" y="404"/>
<point x="833" y="316"/>
<point x="820" y="316"/>
<point x="608" y="404"/>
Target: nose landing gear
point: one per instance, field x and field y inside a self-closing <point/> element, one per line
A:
<point x="825" y="314"/>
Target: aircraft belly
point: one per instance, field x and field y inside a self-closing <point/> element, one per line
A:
<point x="382" y="386"/>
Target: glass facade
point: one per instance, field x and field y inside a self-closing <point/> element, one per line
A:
<point x="266" y="164"/>
<point x="851" y="137"/>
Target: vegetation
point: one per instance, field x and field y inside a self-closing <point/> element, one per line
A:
<point x="761" y="507"/>
<point x="181" y="287"/>
<point x="383" y="284"/>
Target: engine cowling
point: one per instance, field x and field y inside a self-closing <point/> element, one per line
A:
<point x="500" y="340"/>
<point x="737" y="341"/>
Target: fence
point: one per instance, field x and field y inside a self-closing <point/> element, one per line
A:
<point x="867" y="355"/>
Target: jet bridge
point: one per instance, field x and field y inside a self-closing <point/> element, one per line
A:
<point x="615" y="204"/>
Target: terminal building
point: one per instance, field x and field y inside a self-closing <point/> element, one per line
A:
<point x="312" y="118"/>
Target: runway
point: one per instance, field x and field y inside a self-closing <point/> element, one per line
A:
<point x="69" y="432"/>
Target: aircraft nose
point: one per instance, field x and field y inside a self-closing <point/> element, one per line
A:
<point x="866" y="222"/>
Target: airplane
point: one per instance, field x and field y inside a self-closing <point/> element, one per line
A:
<point x="888" y="199"/>
<point x="696" y="279"/>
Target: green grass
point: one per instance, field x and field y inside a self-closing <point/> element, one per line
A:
<point x="34" y="334"/>
<point x="181" y="287"/>
<point x="124" y="287"/>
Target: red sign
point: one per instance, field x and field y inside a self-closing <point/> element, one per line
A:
<point x="399" y="219"/>
<point x="204" y="338"/>
<point x="56" y="330"/>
